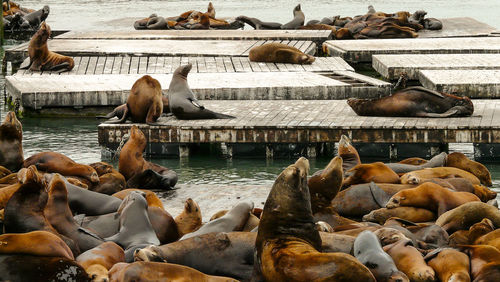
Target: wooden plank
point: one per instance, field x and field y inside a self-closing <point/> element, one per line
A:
<point x="134" y="65"/>
<point x="117" y="65"/>
<point x="143" y="64"/>
<point x="92" y="65"/>
<point x="99" y="69"/>
<point x="82" y="68"/>
<point x="160" y="65"/>
<point x="77" y="61"/>
<point x="108" y="66"/>
<point x="125" y="67"/>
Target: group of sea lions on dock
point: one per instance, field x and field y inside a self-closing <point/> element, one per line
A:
<point x="17" y="18"/>
<point x="373" y="24"/>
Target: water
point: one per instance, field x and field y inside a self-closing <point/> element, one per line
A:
<point x="77" y="137"/>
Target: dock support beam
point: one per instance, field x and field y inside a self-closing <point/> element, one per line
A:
<point x="311" y="151"/>
<point x="269" y="152"/>
<point x="183" y="151"/>
<point x="226" y="150"/>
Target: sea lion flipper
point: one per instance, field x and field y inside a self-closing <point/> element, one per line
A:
<point x="123" y="118"/>
<point x="379" y="196"/>
<point x="449" y="113"/>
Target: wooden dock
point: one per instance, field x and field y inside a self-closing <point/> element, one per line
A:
<point x="36" y="92"/>
<point x="477" y="83"/>
<point x="143" y="47"/>
<point x="95" y="65"/>
<point x="359" y="51"/>
<point x="458" y="27"/>
<point x="311" y="123"/>
<point x="392" y="66"/>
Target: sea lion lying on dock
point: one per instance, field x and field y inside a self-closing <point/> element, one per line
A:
<point x="414" y="102"/>
<point x="279" y="53"/>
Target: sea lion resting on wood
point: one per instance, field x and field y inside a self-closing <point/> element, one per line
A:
<point x="414" y="102"/>
<point x="279" y="53"/>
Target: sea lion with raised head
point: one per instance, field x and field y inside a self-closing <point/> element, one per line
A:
<point x="41" y="58"/>
<point x="182" y="101"/>
<point x="459" y="160"/>
<point x="34" y="19"/>
<point x="349" y="154"/>
<point x="279" y="53"/>
<point x="298" y="19"/>
<point x="189" y="219"/>
<point x="11" y="143"/>
<point x="288" y="246"/>
<point x="414" y="101"/>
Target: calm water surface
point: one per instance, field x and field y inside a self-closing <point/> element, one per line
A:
<point x="77" y="138"/>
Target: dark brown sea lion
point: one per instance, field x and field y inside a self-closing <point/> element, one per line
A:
<point x="144" y="103"/>
<point x="430" y="196"/>
<point x="408" y="213"/>
<point x="467" y="237"/>
<point x="484" y="262"/>
<point x="155" y="271"/>
<point x="375" y="172"/>
<point x="120" y="110"/>
<point x="385" y="30"/>
<point x="189" y="219"/>
<point x="36" y="243"/>
<point x="298" y="19"/>
<point x="59" y="215"/>
<point x="368" y="251"/>
<point x="459" y="160"/>
<point x="449" y="264"/>
<point x="34" y="19"/>
<point x="110" y="180"/>
<point x="57" y="162"/>
<point x="136" y="230"/>
<point x="132" y="164"/>
<point x="182" y="101"/>
<point x="11" y="143"/>
<point x="258" y="24"/>
<point x="41" y="58"/>
<point x="349" y="154"/>
<point x="288" y="245"/>
<point x="37" y="268"/>
<point x="432" y="24"/>
<point x="143" y="23"/>
<point x="420" y="176"/>
<point x="414" y="102"/>
<point x="99" y="260"/>
<point x="234" y="220"/>
<point x="157" y="23"/>
<point x="279" y="53"/>
<point x="409" y="260"/>
<point x="464" y="216"/>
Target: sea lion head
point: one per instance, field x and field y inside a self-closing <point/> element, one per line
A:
<point x="297" y="9"/>
<point x="388" y="235"/>
<point x="395" y="201"/>
<point x="133" y="198"/>
<point x="190" y="218"/>
<point x="11" y="127"/>
<point x="138" y="138"/>
<point x="102" y="167"/>
<point x="333" y="175"/>
<point x="45" y="32"/>
<point x="183" y="71"/>
<point x="149" y="253"/>
<point x="45" y="13"/>
<point x="287" y="211"/>
<point x="57" y="185"/>
<point x="410" y="178"/>
<point x="97" y="273"/>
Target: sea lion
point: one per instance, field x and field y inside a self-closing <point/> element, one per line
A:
<point x="419" y="176"/>
<point x="413" y="161"/>
<point x="449" y="264"/>
<point x="279" y="53"/>
<point x="99" y="260"/>
<point x="484" y="262"/>
<point x="298" y="19"/>
<point x="143" y="23"/>
<point x="491" y="238"/>
<point x="144" y="103"/>
<point x="437" y="161"/>
<point x="151" y="198"/>
<point x="155" y="271"/>
<point x="288" y="245"/>
<point x="477" y="230"/>
<point x="408" y="213"/>
<point x="11" y="143"/>
<point x="409" y="260"/>
<point x="132" y="165"/>
<point x="368" y="251"/>
<point x="234" y="220"/>
<point x="423" y="235"/>
<point x="258" y="24"/>
<point x="41" y="58"/>
<point x="57" y="162"/>
<point x="376" y="172"/>
<point x="182" y="101"/>
<point x="349" y="154"/>
<point x="110" y="180"/>
<point x="459" y="160"/>
<point x="157" y="23"/>
<point x="430" y="196"/>
<point x="464" y="216"/>
<point x="34" y="19"/>
<point x="59" y="215"/>
<point x="36" y="243"/>
<point x="189" y="220"/>
<point x="325" y="184"/>
<point x="136" y="230"/>
<point x="389" y="235"/>
<point x="414" y="101"/>
<point x="38" y="268"/>
<point x="484" y="193"/>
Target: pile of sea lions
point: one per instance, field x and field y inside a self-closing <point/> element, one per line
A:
<point x="17" y="18"/>
<point x="373" y="24"/>
<point x="188" y="20"/>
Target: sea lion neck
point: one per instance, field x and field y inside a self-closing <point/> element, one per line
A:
<point x="287" y="211"/>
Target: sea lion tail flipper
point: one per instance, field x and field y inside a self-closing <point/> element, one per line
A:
<point x="449" y="113"/>
<point x="379" y="196"/>
<point x="109" y="115"/>
<point x="223" y="116"/>
<point x="123" y="118"/>
<point x="436" y="161"/>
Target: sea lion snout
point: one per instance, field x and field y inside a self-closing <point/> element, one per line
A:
<point x="394" y="202"/>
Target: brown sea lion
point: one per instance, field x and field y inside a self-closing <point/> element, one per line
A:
<point x="408" y="213"/>
<point x="464" y="216"/>
<point x="36" y="243"/>
<point x="132" y="164"/>
<point x="144" y="103"/>
<point x="430" y="196"/>
<point x="59" y="163"/>
<point x="449" y="264"/>
<point x="389" y="235"/>
<point x="459" y="160"/>
<point x="11" y="143"/>
<point x="466" y="237"/>
<point x="288" y="245"/>
<point x="189" y="219"/>
<point x="279" y="53"/>
<point x="155" y="271"/>
<point x="410" y="261"/>
<point x="349" y="154"/>
<point x="6" y="193"/>
<point x="419" y="176"/>
<point x="368" y="251"/>
<point x="413" y="161"/>
<point x="41" y="58"/>
<point x="120" y="110"/>
<point x="491" y="238"/>
<point x="110" y="180"/>
<point x="414" y="102"/>
<point x="484" y="193"/>
<point x="298" y="19"/>
<point x="375" y="172"/>
<point x="484" y="262"/>
<point x="151" y="198"/>
<point x="99" y="260"/>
